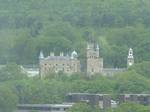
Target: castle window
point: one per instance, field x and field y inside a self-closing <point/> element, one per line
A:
<point x="70" y="68"/>
<point x="92" y="70"/>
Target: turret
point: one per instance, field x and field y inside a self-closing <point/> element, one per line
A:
<point x="130" y="59"/>
<point x="90" y="46"/>
<point x="97" y="50"/>
<point x="74" y="55"/>
<point x="97" y="47"/>
<point x="61" y="54"/>
<point x="92" y="50"/>
<point x="94" y="64"/>
<point x="41" y="56"/>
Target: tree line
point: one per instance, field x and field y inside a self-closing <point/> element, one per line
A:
<point x="54" y="87"/>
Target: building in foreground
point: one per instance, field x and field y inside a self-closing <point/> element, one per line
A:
<point x="143" y="99"/>
<point x="43" y="107"/>
<point x="103" y="101"/>
<point x="70" y="64"/>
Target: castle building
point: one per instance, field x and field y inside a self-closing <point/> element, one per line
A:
<point x="71" y="64"/>
<point x="55" y="64"/>
<point x="94" y="62"/>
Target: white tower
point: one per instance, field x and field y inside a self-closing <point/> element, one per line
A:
<point x="130" y="59"/>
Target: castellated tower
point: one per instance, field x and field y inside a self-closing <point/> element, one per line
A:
<point x="94" y="62"/>
<point x="130" y="58"/>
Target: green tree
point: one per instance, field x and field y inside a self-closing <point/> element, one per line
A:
<point x="80" y="107"/>
<point x="11" y="72"/>
<point x="8" y="100"/>
<point x="131" y="82"/>
<point x="142" y="68"/>
<point x="131" y="107"/>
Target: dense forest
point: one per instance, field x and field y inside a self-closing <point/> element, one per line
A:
<point x="28" y="26"/>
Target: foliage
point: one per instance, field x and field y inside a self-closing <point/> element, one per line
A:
<point x="131" y="107"/>
<point x="142" y="68"/>
<point x="8" y="100"/>
<point x="11" y="72"/>
<point x="131" y="82"/>
<point x="26" y="27"/>
<point x="80" y="107"/>
<point x="54" y="87"/>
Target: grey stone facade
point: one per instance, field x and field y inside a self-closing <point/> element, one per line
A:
<point x="71" y="64"/>
<point x="55" y="64"/>
<point x="94" y="61"/>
